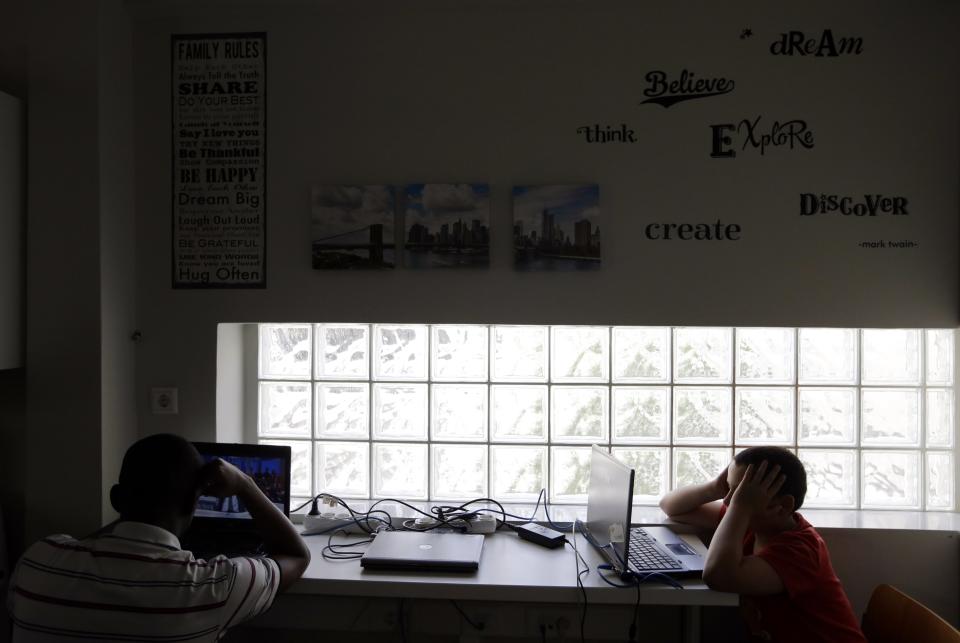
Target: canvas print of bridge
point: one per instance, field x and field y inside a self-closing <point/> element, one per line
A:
<point x="353" y="227"/>
<point x="446" y="225"/>
<point x="556" y="227"/>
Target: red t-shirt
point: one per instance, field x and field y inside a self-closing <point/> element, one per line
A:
<point x="813" y="606"/>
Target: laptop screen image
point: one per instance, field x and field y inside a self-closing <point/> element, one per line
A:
<point x="267" y="465"/>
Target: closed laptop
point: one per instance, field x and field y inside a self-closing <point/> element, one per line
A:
<point x="423" y="551"/>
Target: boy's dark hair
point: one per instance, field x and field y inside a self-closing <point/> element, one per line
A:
<point x="796" y="476"/>
<point x="158" y="473"/>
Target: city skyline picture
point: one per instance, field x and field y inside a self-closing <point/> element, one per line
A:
<point x="556" y="227"/>
<point x="352" y="227"/>
<point x="446" y="225"/>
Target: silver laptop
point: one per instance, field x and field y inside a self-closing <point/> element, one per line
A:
<point x="639" y="550"/>
<point x="423" y="551"/>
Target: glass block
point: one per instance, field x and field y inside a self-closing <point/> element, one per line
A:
<point x="765" y="355"/>
<point x="301" y="466"/>
<point x="940" y="417"/>
<point x="578" y="414"/>
<point x="460" y="353"/>
<point x="459" y="412"/>
<point x="343" y="351"/>
<point x="940" y="357"/>
<point x="828" y="416"/>
<point x="519" y="413"/>
<point x="400" y="471"/>
<point x="284" y="410"/>
<point x="579" y="354"/>
<point x="693" y="466"/>
<point x="652" y="472"/>
<point x="891" y="356"/>
<point x="570" y="474"/>
<point x="343" y="468"/>
<point x="831" y="477"/>
<point x="703" y="355"/>
<point x="343" y="411"/>
<point x="828" y="356"/>
<point x="940" y="482"/>
<point x="765" y="415"/>
<point x="641" y="354"/>
<point x="890" y="417"/>
<point x="702" y="415"/>
<point x="285" y="351"/>
<point x="400" y="411"/>
<point x="459" y="471"/>
<point x="641" y="414"/>
<point x="891" y="479"/>
<point x="519" y="354"/>
<point x="400" y="352"/>
<point x="517" y="473"/>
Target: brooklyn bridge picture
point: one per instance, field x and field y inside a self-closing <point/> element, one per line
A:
<point x="353" y="227"/>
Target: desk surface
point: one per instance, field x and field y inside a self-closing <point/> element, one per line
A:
<point x="510" y="570"/>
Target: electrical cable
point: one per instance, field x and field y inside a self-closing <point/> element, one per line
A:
<point x="479" y="627"/>
<point x="583" y="590"/>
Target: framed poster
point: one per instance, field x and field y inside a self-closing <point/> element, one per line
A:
<point x="219" y="160"/>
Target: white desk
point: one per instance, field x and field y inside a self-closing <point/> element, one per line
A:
<point x="511" y="570"/>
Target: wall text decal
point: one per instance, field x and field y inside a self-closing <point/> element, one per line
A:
<point x="791" y="135"/>
<point x="796" y="43"/>
<point x="717" y="231"/>
<point x="662" y="90"/>
<point x="865" y="205"/>
<point x="607" y="134"/>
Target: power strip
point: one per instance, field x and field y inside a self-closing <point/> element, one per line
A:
<point x="482" y="524"/>
<point x="330" y="521"/>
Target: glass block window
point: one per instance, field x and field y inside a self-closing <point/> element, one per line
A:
<point x="460" y="411"/>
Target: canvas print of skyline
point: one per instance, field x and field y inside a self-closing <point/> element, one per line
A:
<point x="556" y="227"/>
<point x="353" y="227"/>
<point x="447" y="225"/>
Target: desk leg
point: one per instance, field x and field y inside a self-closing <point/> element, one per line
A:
<point x="691" y="624"/>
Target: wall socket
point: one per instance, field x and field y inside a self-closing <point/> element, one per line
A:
<point x="163" y="401"/>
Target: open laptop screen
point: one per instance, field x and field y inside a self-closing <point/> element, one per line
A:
<point x="268" y="465"/>
<point x="609" y="505"/>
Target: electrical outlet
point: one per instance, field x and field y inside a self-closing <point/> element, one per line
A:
<point x="163" y="401"/>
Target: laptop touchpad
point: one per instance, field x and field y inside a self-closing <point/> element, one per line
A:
<point x="680" y="549"/>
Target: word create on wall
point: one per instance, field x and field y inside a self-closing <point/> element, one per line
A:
<point x="219" y="142"/>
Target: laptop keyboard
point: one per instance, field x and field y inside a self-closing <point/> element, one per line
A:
<point x="644" y="555"/>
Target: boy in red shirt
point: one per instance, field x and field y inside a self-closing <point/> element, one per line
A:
<point x="765" y="551"/>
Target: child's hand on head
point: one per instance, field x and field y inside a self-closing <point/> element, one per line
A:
<point x="758" y="487"/>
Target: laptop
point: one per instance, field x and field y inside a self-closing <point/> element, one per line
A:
<point x="637" y="550"/>
<point x="423" y="551"/>
<point x="223" y="525"/>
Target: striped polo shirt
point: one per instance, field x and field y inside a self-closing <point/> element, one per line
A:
<point x="133" y="583"/>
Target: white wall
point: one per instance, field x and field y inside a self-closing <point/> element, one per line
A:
<point x="492" y="92"/>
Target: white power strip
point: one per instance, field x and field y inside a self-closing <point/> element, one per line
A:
<point x="329" y="522"/>
<point x="482" y="524"/>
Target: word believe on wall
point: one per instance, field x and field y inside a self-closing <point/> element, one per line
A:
<point x="219" y="163"/>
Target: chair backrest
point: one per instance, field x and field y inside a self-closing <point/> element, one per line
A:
<point x="894" y="617"/>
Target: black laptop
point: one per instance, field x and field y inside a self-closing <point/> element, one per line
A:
<point x="636" y="550"/>
<point x="423" y="551"/>
<point x="223" y="525"/>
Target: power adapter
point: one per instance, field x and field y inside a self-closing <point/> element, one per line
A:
<point x="543" y="536"/>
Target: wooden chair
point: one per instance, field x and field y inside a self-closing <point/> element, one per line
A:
<point x="894" y="617"/>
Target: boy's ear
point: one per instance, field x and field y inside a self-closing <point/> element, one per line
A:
<point x="116" y="498"/>
<point x="787" y="504"/>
